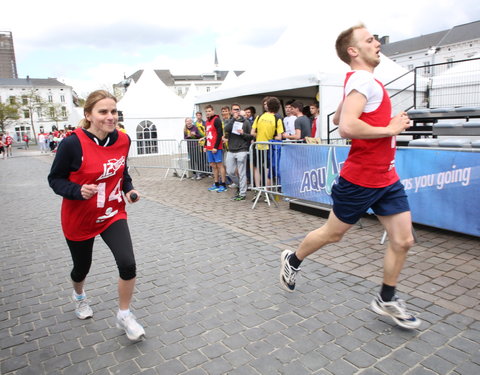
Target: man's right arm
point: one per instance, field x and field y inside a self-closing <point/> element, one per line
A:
<point x="352" y="127"/>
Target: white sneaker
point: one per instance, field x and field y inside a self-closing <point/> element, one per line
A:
<point x="396" y="310"/>
<point x="287" y="272"/>
<point x="82" y="308"/>
<point x="132" y="328"/>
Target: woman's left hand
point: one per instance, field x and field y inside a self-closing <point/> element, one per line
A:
<point x="136" y="196"/>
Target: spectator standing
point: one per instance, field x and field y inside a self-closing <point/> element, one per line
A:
<point x="42" y="142"/>
<point x="26" y="140"/>
<point x="302" y="123"/>
<point x="289" y="120"/>
<point x="368" y="178"/>
<point x="8" y="145"/>
<point x="214" y="149"/>
<point x="315" y="111"/>
<point x="51" y="141"/>
<point x="191" y="135"/>
<point x="250" y="113"/>
<point x="120" y="127"/>
<point x="266" y="127"/>
<point x="2" y="146"/>
<point x="238" y="132"/>
<point x="200" y="125"/>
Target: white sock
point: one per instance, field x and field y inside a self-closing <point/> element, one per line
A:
<point x="79" y="296"/>
<point x="123" y="313"/>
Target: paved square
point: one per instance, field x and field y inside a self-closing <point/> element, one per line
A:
<point x="208" y="293"/>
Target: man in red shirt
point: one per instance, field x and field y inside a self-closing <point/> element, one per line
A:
<point x="368" y="178"/>
<point x="26" y="140"/>
<point x="214" y="149"/>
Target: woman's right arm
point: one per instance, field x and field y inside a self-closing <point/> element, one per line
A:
<point x="67" y="159"/>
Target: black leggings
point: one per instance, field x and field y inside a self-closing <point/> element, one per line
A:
<point x="117" y="238"/>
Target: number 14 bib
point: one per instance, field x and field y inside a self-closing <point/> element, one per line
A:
<point x="104" y="167"/>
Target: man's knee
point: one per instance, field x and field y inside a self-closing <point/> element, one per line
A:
<point x="335" y="236"/>
<point x="402" y="244"/>
<point x="328" y="235"/>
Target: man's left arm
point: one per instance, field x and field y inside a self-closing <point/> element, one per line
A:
<point x="218" y="126"/>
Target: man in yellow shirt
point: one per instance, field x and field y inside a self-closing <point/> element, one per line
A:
<point x="266" y="127"/>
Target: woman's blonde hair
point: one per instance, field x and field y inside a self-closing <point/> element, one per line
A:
<point x="93" y="99"/>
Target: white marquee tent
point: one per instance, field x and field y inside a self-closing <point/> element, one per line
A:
<point x="300" y="66"/>
<point x="149" y="106"/>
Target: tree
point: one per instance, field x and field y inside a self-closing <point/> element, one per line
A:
<point x="56" y="112"/>
<point x="8" y="113"/>
<point x="32" y="102"/>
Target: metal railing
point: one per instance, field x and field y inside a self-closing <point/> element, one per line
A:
<point x="402" y="100"/>
<point x="155" y="153"/>
<point x="194" y="159"/>
<point x="449" y="84"/>
<point x="265" y="175"/>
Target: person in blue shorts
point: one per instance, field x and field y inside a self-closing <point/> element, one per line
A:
<point x="214" y="149"/>
<point x="368" y="178"/>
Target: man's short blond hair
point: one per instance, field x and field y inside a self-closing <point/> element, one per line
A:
<point x="346" y="40"/>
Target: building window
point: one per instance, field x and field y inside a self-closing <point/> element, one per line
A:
<point x="12" y="100"/>
<point x="410" y="67"/>
<point x="62" y="98"/>
<point x="26" y="114"/>
<point x="24" y="100"/>
<point x="21" y="131"/>
<point x="39" y="112"/>
<point x="208" y="89"/>
<point x="50" y="98"/>
<point x="146" y="138"/>
<point x="52" y="112"/>
<point x="450" y="62"/>
<point x="64" y="112"/>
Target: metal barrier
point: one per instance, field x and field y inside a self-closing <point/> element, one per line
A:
<point x="265" y="178"/>
<point x="155" y="153"/>
<point x="194" y="158"/>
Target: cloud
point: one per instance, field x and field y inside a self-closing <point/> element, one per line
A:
<point x="99" y="41"/>
<point x="116" y="35"/>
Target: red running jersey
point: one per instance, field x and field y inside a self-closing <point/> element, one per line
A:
<point x="212" y="134"/>
<point x="103" y="166"/>
<point x="371" y="162"/>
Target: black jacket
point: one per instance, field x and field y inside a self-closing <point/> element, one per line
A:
<point x="238" y="142"/>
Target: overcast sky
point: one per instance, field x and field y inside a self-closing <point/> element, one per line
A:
<point x="92" y="44"/>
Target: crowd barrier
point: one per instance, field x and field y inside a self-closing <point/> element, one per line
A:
<point x="194" y="159"/>
<point x="266" y="179"/>
<point x="155" y="153"/>
<point x="442" y="184"/>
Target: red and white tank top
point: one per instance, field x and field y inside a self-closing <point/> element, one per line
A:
<point x="212" y="134"/>
<point x="103" y="166"/>
<point x="371" y="162"/>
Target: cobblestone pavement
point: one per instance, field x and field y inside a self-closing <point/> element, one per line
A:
<point x="208" y="294"/>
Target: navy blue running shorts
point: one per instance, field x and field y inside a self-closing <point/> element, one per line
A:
<point x="351" y="201"/>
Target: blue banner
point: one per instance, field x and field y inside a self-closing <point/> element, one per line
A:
<point x="443" y="186"/>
